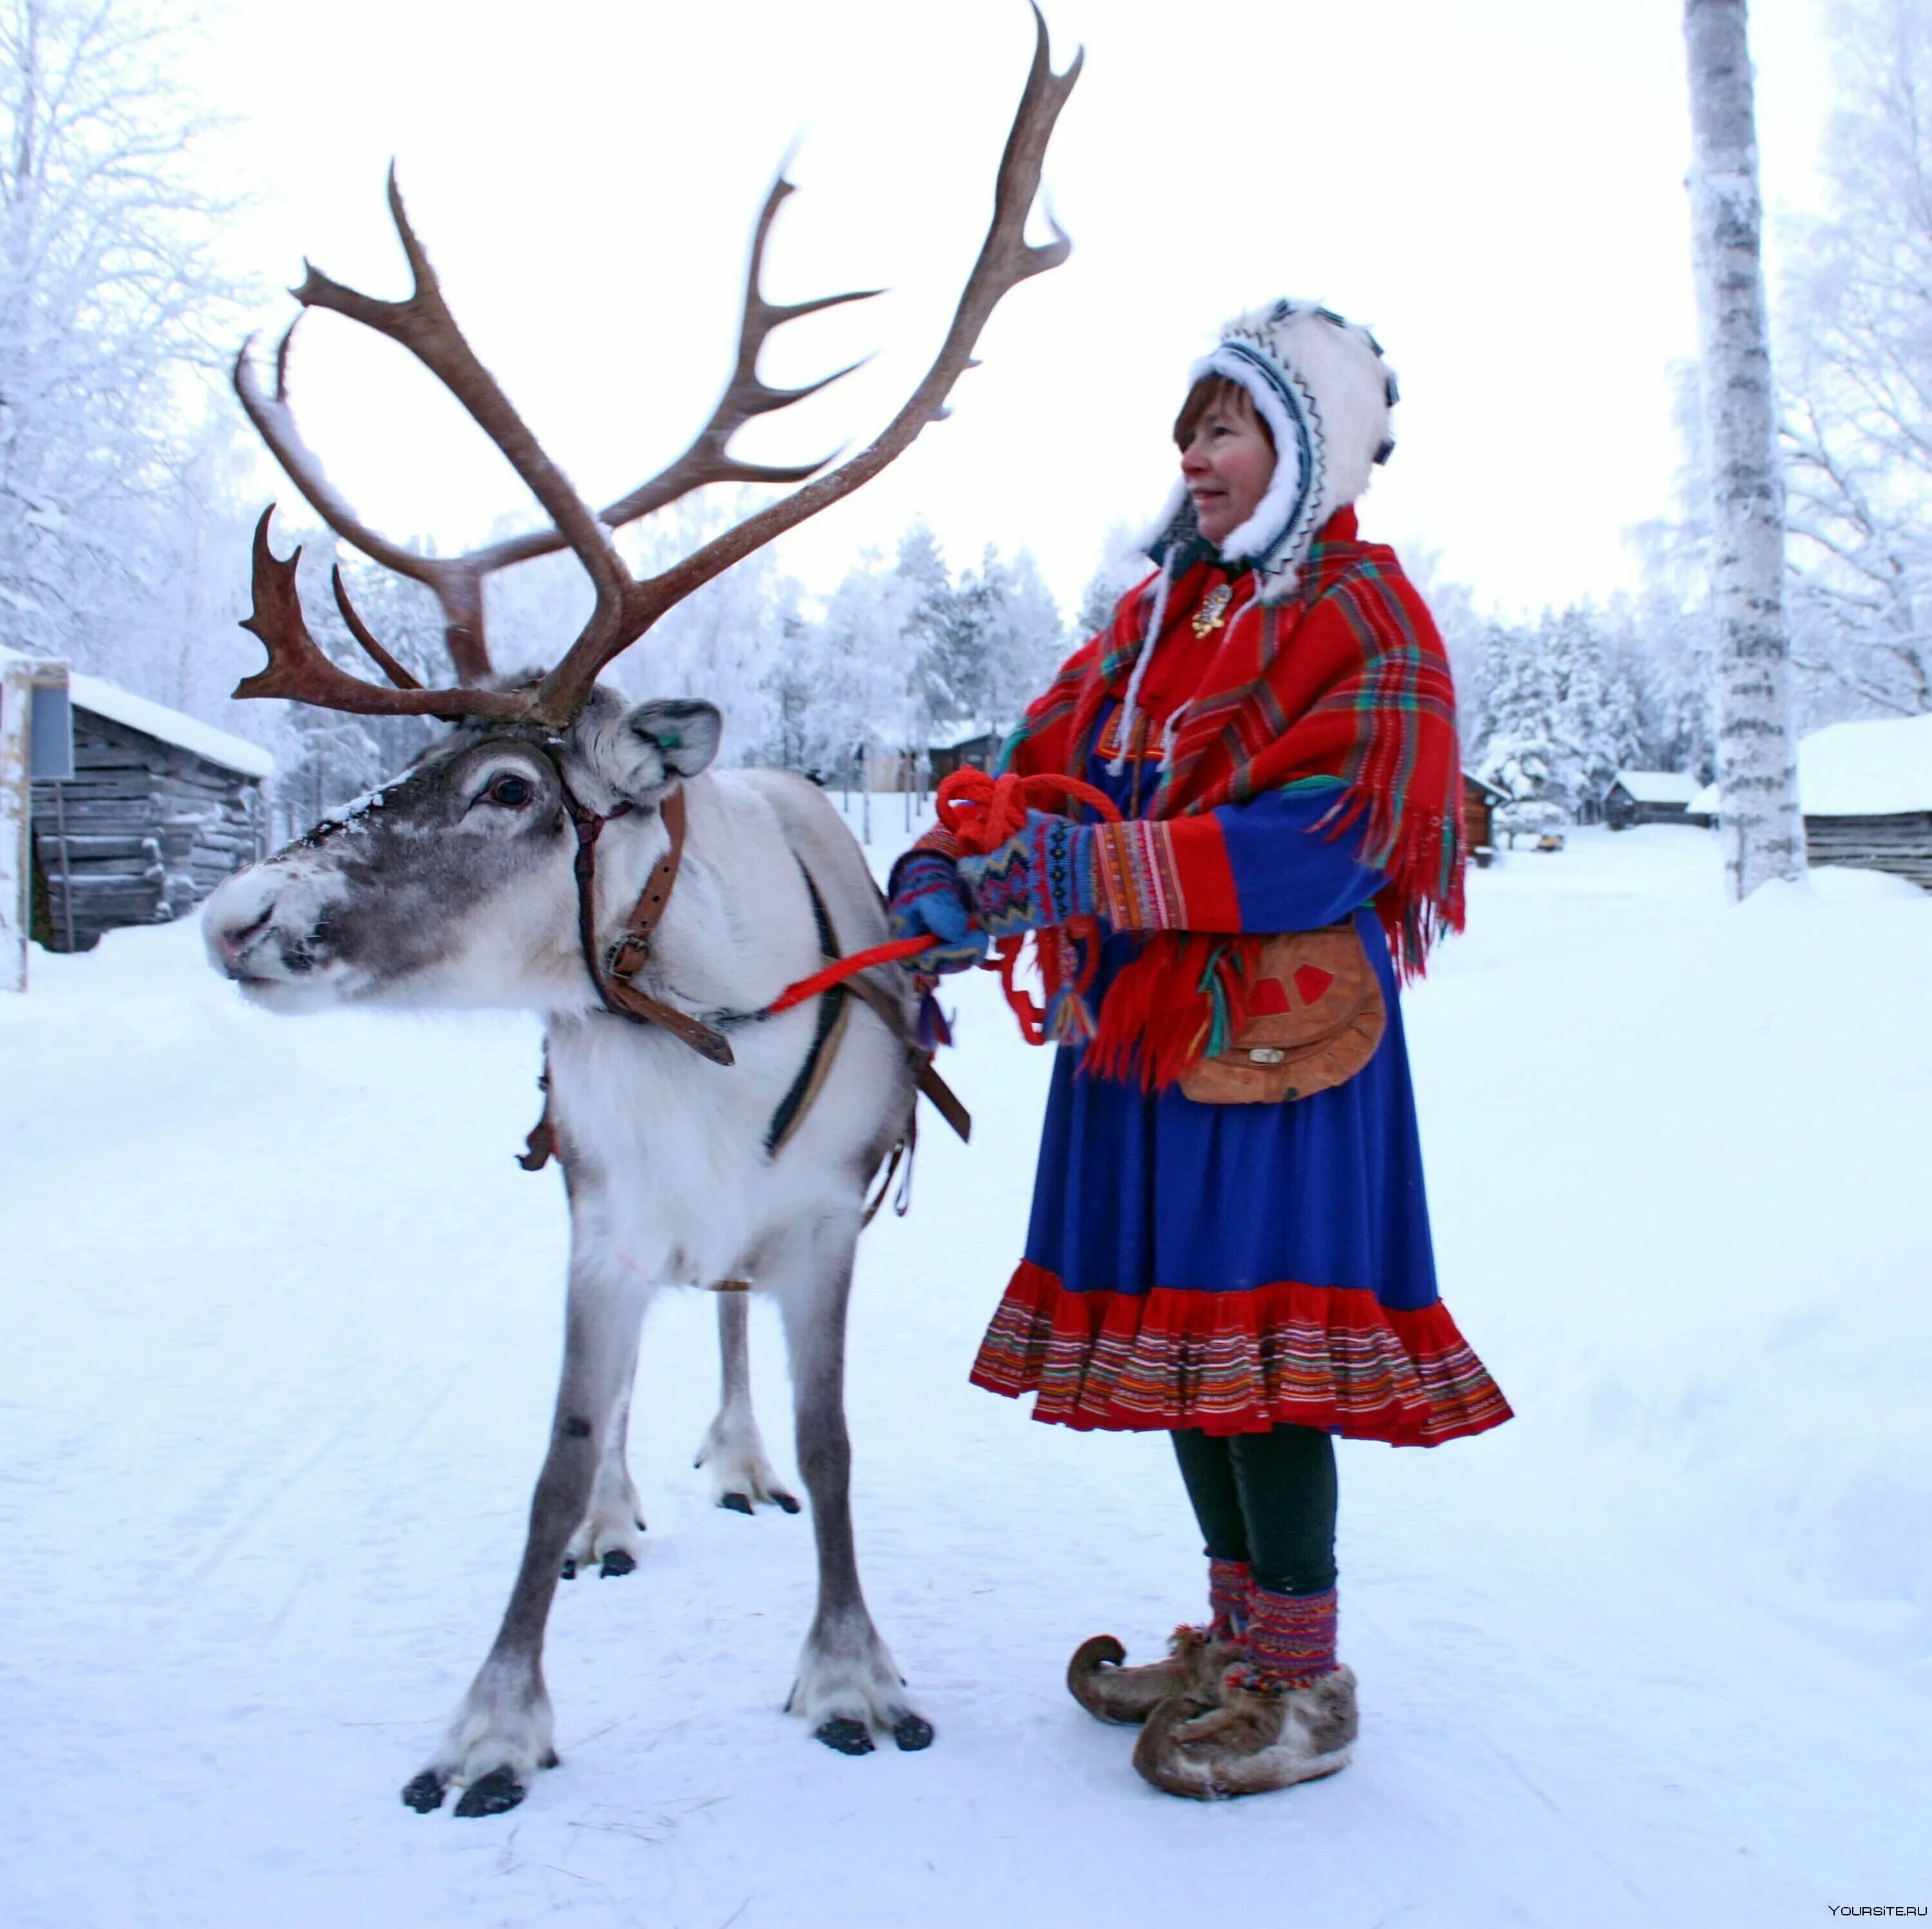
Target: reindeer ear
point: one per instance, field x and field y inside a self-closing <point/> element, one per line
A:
<point x="657" y="742"/>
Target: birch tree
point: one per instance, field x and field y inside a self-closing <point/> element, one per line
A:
<point x="1757" y="776"/>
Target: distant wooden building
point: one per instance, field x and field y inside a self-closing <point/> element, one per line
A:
<point x="1480" y="800"/>
<point x="976" y="753"/>
<point x="1651" y="797"/>
<point x="1866" y="791"/>
<point x="159" y="808"/>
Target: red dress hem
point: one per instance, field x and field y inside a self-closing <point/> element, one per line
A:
<point x="1284" y="1354"/>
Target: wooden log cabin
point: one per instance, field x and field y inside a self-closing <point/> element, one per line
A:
<point x="1480" y="800"/>
<point x="1865" y="788"/>
<point x="1652" y="796"/>
<point x="1866" y="791"/>
<point x="159" y="808"/>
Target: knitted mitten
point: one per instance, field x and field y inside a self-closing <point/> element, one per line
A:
<point x="1042" y="875"/>
<point x="927" y="901"/>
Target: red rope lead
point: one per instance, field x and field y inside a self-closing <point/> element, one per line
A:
<point x="895" y="952"/>
<point x="982" y="812"/>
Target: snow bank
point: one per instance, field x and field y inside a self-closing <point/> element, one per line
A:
<point x="282" y="1319"/>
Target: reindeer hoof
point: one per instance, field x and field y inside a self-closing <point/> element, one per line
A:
<point x="569" y="1568"/>
<point x="425" y="1793"/>
<point x="913" y="1732"/>
<point x="786" y="1501"/>
<point x="493" y="1794"/>
<point x="617" y="1563"/>
<point x="848" y="1736"/>
<point x="737" y="1503"/>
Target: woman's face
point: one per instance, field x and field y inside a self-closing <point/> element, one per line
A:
<point x="1227" y="465"/>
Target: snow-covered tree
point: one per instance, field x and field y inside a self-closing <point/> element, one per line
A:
<point x="1856" y="350"/>
<point x="1521" y="751"/>
<point x="1757" y="764"/>
<point x="873" y="705"/>
<point x="1015" y="636"/>
<point x="937" y="633"/>
<point x="1122" y="564"/>
<point x="109" y="298"/>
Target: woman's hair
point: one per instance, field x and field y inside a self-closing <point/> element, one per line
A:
<point x="1212" y="392"/>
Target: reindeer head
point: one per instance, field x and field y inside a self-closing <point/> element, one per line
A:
<point x="474" y="853"/>
<point x="456" y="883"/>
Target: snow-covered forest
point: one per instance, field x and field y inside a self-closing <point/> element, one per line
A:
<point x="127" y="481"/>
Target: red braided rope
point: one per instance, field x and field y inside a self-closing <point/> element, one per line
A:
<point x="982" y="812"/>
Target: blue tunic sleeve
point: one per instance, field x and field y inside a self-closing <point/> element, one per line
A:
<point x="1274" y="863"/>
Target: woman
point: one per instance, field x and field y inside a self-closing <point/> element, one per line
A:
<point x="1229" y="1239"/>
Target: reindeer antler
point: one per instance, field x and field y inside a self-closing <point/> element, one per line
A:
<point x="625" y="608"/>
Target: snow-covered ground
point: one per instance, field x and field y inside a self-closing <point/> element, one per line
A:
<point x="280" y="1324"/>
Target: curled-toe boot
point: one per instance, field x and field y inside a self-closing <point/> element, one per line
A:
<point x="1190" y="1673"/>
<point x="1288" y="1715"/>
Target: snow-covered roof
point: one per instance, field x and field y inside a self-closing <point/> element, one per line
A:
<point x="1880" y="768"/>
<point x="175" y="727"/>
<point x="102" y="699"/>
<point x="1659" y="786"/>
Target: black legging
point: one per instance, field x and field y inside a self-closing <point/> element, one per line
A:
<point x="1267" y="1499"/>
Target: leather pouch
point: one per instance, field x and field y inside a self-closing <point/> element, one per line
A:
<point x="1315" y="1020"/>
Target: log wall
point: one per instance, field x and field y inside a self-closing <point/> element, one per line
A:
<point x="1901" y="845"/>
<point x="140" y="834"/>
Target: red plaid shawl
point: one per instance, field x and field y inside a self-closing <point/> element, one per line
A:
<point x="1347" y="680"/>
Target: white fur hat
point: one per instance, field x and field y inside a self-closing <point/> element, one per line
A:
<point x="1320" y="385"/>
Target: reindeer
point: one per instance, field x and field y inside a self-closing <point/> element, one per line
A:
<point x="562" y="850"/>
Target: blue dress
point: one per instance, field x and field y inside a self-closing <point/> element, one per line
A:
<point x="1236" y="1268"/>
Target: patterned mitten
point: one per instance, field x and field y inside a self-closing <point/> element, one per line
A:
<point x="1043" y="876"/>
<point x="927" y="901"/>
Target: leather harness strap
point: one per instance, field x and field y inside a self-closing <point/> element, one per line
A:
<point x="619" y="996"/>
<point x="611" y="976"/>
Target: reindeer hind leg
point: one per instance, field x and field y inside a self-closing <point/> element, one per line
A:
<point x="733" y="1450"/>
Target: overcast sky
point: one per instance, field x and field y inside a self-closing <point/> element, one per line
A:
<point x="1495" y="186"/>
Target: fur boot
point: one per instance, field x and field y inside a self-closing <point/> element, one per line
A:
<point x="1197" y="1659"/>
<point x="1258" y="1738"/>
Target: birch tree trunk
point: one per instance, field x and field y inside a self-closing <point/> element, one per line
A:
<point x="1757" y="776"/>
<point x="16" y="693"/>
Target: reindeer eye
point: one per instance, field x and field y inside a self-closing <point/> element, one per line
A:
<point x="512" y="792"/>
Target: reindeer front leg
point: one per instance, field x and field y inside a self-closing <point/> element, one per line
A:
<point x="733" y="1448"/>
<point x="847" y="1683"/>
<point x="503" y="1730"/>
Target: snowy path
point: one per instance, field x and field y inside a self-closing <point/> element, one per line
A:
<point x="281" y="1323"/>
